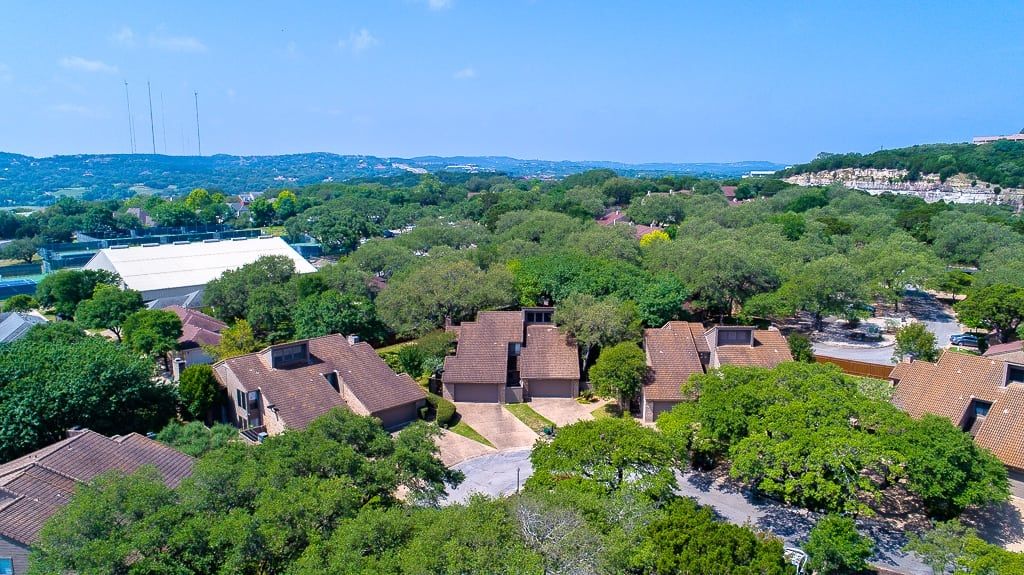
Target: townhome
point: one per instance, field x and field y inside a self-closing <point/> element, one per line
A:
<point x="681" y="349"/>
<point x="286" y="386"/>
<point x="984" y="396"/>
<point x="198" y="330"/>
<point x="36" y="486"/>
<point x="509" y="357"/>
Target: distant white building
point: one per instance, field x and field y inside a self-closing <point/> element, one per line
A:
<point x="181" y="268"/>
<point x="990" y="139"/>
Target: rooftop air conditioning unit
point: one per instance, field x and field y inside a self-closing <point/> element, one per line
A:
<point x="262" y="436"/>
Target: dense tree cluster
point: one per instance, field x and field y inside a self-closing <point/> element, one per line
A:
<point x="805" y="434"/>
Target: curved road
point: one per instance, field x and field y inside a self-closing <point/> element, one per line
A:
<point x="495" y="475"/>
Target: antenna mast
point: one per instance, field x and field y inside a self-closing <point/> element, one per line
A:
<point x="152" y="128"/>
<point x="131" y="124"/>
<point x="199" y="140"/>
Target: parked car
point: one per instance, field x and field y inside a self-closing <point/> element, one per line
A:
<point x="796" y="558"/>
<point x="964" y="339"/>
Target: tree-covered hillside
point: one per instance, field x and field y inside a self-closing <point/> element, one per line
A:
<point x="1000" y="163"/>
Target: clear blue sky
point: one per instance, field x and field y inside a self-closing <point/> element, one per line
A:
<point x="597" y="80"/>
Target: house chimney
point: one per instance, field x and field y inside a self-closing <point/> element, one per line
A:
<point x="353" y="339"/>
<point x="75" y="431"/>
<point x="447" y="322"/>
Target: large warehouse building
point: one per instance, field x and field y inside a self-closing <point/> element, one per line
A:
<point x="173" y="270"/>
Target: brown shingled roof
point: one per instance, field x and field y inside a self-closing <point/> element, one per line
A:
<point x="548" y="354"/>
<point x="197" y="328"/>
<point x="37" y="485"/>
<point x="672" y="356"/>
<point x="481" y="355"/>
<point x="947" y="387"/>
<point x="770" y="349"/>
<point x="301" y="394"/>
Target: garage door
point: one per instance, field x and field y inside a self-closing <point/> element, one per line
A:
<point x="397" y="416"/>
<point x="480" y="393"/>
<point x="658" y="407"/>
<point x="552" y="388"/>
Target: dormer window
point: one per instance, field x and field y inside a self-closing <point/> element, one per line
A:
<point x="1014" y="373"/>
<point x="289" y="355"/>
<point x="735" y="336"/>
<point x="332" y="378"/>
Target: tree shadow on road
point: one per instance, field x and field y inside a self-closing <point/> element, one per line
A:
<point x="1000" y="524"/>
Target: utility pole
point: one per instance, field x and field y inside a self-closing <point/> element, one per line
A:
<point x="152" y="128"/>
<point x="199" y="139"/>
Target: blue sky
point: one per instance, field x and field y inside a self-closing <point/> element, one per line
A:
<point x="597" y="80"/>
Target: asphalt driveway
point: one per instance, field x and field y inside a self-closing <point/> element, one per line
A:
<point x="494" y="475"/>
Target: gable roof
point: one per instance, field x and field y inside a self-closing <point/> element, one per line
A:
<point x="680" y="349"/>
<point x="548" y="354"/>
<point x="301" y="393"/>
<point x="197" y="328"/>
<point x="481" y="353"/>
<point x="14" y="325"/>
<point x="190" y="300"/>
<point x="947" y="388"/>
<point x="167" y="266"/>
<point x="37" y="485"/>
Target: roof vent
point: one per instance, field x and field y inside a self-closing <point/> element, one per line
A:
<point x="211" y="241"/>
<point x="150" y="245"/>
<point x="181" y="243"/>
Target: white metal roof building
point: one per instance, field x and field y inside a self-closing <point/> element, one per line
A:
<point x="169" y="270"/>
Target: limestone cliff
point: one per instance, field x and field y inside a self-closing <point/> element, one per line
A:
<point x="959" y="189"/>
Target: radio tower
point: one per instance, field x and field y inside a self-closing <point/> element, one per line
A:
<point x="199" y="140"/>
<point x="131" y="123"/>
<point x="152" y="128"/>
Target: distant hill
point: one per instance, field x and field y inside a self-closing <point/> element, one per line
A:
<point x="25" y="180"/>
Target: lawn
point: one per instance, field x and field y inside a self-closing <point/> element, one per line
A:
<point x="531" y="418"/>
<point x="607" y="410"/>
<point x="466" y="431"/>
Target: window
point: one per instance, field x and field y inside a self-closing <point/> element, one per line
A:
<point x="1014" y="374"/>
<point x="240" y="398"/>
<point x="735" y="337"/>
<point x="6" y="566"/>
<point x="254" y="400"/>
<point x="289" y="355"/>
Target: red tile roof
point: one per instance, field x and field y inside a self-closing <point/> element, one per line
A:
<point x="612" y="218"/>
<point x="729" y="191"/>
<point x="641" y="230"/>
<point x="37" y="485"/>
<point x="947" y="387"/>
<point x="301" y="393"/>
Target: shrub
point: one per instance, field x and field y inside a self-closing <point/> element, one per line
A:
<point x="835" y="546"/>
<point x="444" y="410"/>
<point x="20" y="302"/>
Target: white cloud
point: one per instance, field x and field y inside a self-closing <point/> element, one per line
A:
<point x="5" y="73"/>
<point x="359" y="42"/>
<point x="80" y="64"/>
<point x="465" y="73"/>
<point x="189" y="44"/>
<point x="123" y="37"/>
<point x="75" y="110"/>
<point x="439" y="4"/>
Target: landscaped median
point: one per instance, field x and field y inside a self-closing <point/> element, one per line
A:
<point x="530" y="417"/>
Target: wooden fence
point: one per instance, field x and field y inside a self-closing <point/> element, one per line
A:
<point x="858" y="368"/>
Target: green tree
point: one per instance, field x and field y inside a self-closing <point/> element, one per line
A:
<point x="950" y="547"/>
<point x="594" y="323"/>
<point x="953" y="282"/>
<point x="620" y="371"/>
<point x="914" y="341"/>
<point x="835" y="546"/>
<point x="895" y="262"/>
<point x="333" y="312"/>
<point x="800" y="347"/>
<point x="418" y="302"/>
<point x="605" y="455"/>
<point x="195" y="439"/>
<point x="152" y="332"/>
<point x="261" y="212"/>
<point x="270" y="310"/>
<point x="21" y="249"/>
<point x="108" y="308"/>
<point x="229" y="294"/>
<point x="831" y="285"/>
<point x="998" y="307"/>
<point x="286" y="205"/>
<point x="661" y="300"/>
<point x="198" y="390"/>
<point x="52" y="380"/>
<point x="63" y="290"/>
<point x="383" y="258"/>
<point x="20" y="302"/>
<point x="236" y="340"/>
